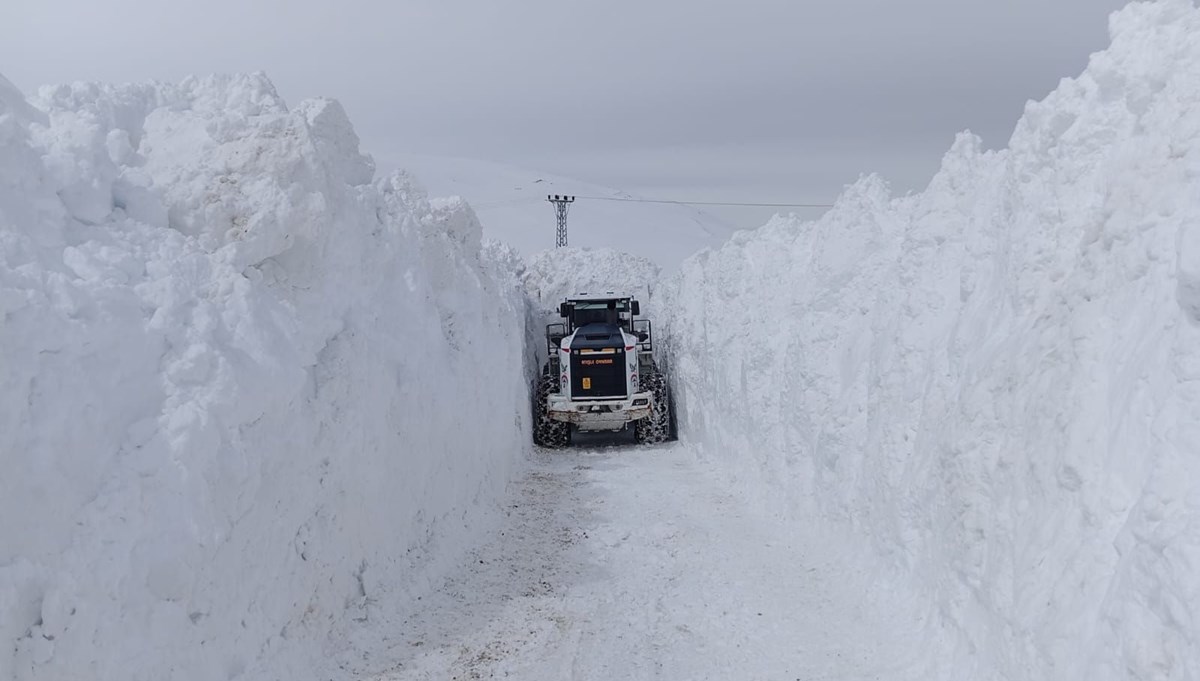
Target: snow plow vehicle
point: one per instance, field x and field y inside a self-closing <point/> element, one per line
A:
<point x="600" y="374"/>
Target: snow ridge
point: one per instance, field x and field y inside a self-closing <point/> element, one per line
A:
<point x="994" y="382"/>
<point x="230" y="411"/>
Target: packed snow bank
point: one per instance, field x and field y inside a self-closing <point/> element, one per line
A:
<point x="232" y="415"/>
<point x="996" y="381"/>
<point x="551" y="276"/>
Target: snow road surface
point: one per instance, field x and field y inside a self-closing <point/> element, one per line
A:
<point x="620" y="563"/>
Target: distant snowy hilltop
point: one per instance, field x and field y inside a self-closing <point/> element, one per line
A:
<point x="511" y="204"/>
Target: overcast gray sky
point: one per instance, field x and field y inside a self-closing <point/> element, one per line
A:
<point x="754" y="100"/>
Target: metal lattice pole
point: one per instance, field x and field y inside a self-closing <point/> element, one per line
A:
<point x="561" y="204"/>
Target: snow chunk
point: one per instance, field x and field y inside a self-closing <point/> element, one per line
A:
<point x="336" y="140"/>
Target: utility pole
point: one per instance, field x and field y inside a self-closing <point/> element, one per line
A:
<point x="561" y="204"/>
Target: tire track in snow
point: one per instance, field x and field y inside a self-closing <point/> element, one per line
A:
<point x="633" y="563"/>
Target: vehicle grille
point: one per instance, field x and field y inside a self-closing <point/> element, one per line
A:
<point x="598" y="374"/>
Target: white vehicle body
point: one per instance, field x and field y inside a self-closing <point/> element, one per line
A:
<point x="610" y="412"/>
<point x="600" y="363"/>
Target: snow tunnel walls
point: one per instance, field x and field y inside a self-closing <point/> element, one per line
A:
<point x="993" y="382"/>
<point x="249" y="394"/>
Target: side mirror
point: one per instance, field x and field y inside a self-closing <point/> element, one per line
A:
<point x="564" y="310"/>
<point x="635" y="308"/>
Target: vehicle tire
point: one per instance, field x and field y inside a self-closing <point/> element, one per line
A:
<point x="656" y="427"/>
<point x="546" y="431"/>
<point x="672" y="423"/>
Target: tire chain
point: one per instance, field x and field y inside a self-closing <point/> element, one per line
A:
<point x="656" y="427"/>
<point x="546" y="431"/>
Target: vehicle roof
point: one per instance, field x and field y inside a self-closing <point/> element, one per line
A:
<point x="592" y="297"/>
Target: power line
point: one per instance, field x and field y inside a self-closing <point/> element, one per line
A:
<point x="710" y="203"/>
<point x="509" y="202"/>
<point x="496" y="204"/>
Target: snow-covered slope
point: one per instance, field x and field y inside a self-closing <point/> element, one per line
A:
<point x="230" y="421"/>
<point x="995" y="382"/>
<point x="511" y="203"/>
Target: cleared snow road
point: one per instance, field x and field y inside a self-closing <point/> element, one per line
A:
<point x="631" y="563"/>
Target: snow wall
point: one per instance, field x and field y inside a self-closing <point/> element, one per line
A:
<point x="232" y="368"/>
<point x="995" y="382"/>
<point x="550" y="277"/>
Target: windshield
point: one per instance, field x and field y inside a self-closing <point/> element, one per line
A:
<point x="599" y="312"/>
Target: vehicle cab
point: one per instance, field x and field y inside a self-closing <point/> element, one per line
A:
<point x="602" y="350"/>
